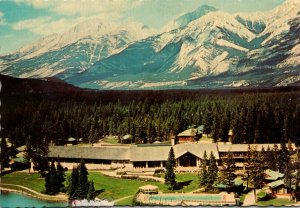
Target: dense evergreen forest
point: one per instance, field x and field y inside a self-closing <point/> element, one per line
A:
<point x="42" y="111"/>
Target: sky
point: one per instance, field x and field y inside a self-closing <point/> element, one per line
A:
<point x="25" y="21"/>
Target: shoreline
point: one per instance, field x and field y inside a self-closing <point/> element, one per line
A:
<point x="36" y="195"/>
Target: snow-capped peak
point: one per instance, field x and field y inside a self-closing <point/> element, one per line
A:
<point x="184" y="19"/>
<point x="220" y="19"/>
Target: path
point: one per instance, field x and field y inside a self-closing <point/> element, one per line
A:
<point x="33" y="193"/>
<point x="250" y="199"/>
<point x="125" y="197"/>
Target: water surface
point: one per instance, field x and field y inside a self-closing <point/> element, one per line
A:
<point x="19" y="200"/>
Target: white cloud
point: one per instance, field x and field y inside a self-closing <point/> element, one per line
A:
<point x="2" y="19"/>
<point x="72" y="12"/>
<point x="46" y="25"/>
<point x="112" y="9"/>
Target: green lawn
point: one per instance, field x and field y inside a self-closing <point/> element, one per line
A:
<point x="115" y="188"/>
<point x="110" y="140"/>
<point x="275" y="202"/>
<point x="109" y="188"/>
<point x="125" y="202"/>
<point x="183" y="177"/>
<point x="242" y="198"/>
<point x="32" y="181"/>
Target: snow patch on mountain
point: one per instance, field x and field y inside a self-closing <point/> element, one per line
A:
<point x="137" y="84"/>
<point x="288" y="81"/>
<point x="230" y="45"/>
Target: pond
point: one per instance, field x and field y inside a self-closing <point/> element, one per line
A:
<point x="19" y="200"/>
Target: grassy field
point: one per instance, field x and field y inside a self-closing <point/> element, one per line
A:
<point x="107" y="187"/>
<point x="185" y="177"/>
<point x="275" y="202"/>
<point x="32" y="181"/>
<point x="110" y="140"/>
<point x="115" y="188"/>
<point x="125" y="202"/>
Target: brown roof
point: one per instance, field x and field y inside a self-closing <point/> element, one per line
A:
<point x="102" y="153"/>
<point x="149" y="153"/>
<point x="196" y="149"/>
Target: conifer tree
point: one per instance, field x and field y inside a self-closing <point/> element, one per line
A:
<point x="51" y="181"/>
<point x="73" y="184"/>
<point x="83" y="183"/>
<point x="256" y="169"/>
<point x="4" y="154"/>
<point x="91" y="191"/>
<point x="227" y="175"/>
<point x="170" y="177"/>
<point x="203" y="175"/>
<point x="212" y="172"/>
<point x="283" y="157"/>
<point x="60" y="176"/>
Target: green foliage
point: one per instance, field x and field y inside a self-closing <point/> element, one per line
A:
<point x="4" y="154"/>
<point x="254" y="116"/>
<point x="212" y="172"/>
<point x="78" y="182"/>
<point x="283" y="157"/>
<point x="55" y="178"/>
<point x="91" y="191"/>
<point x="83" y="183"/>
<point x="203" y="175"/>
<point x="227" y="175"/>
<point x="51" y="181"/>
<point x="73" y="184"/>
<point x="60" y="176"/>
<point x="170" y="177"/>
<point x="261" y="195"/>
<point x="255" y="168"/>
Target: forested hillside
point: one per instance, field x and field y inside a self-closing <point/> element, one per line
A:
<point x="56" y="113"/>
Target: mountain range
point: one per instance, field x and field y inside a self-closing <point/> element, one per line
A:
<point x="205" y="48"/>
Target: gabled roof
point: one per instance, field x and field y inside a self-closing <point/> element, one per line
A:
<point x="189" y="132"/>
<point x="273" y="175"/>
<point x="102" y="153"/>
<point x="21" y="148"/>
<point x="149" y="153"/>
<point x="275" y="184"/>
<point x="196" y="149"/>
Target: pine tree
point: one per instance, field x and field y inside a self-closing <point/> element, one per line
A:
<point x="51" y="181"/>
<point x="212" y="172"/>
<point x="288" y="176"/>
<point x="91" y="191"/>
<point x="83" y="183"/>
<point x="256" y="169"/>
<point x="73" y="184"/>
<point x="60" y="176"/>
<point x="203" y="176"/>
<point x="170" y="177"/>
<point x="227" y="175"/>
<point x="4" y="154"/>
<point x="283" y="157"/>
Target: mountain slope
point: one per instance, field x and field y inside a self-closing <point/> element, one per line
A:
<point x="73" y="51"/>
<point x="203" y="48"/>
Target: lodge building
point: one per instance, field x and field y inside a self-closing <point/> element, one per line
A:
<point x="187" y="155"/>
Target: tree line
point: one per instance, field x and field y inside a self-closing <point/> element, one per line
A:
<point x="256" y="117"/>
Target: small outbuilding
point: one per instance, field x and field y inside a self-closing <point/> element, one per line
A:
<point x="126" y="139"/>
<point x="149" y="189"/>
<point x="278" y="187"/>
